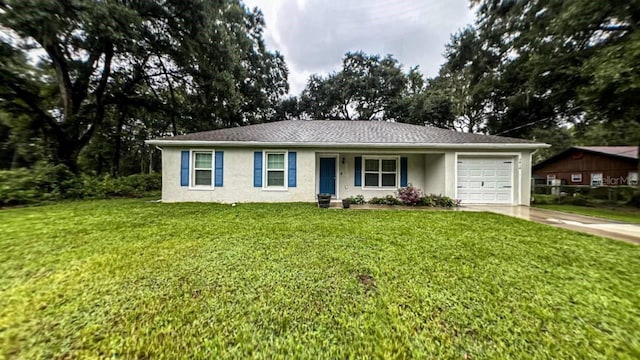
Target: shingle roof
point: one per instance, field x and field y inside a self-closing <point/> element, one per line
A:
<point x="624" y="151"/>
<point x="343" y="132"/>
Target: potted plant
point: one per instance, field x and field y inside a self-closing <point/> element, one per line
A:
<point x="324" y="200"/>
<point x="346" y="203"/>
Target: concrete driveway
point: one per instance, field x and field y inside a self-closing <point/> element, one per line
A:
<point x="587" y="224"/>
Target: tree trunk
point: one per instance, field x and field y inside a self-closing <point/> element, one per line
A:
<point x="67" y="154"/>
<point x="117" y="148"/>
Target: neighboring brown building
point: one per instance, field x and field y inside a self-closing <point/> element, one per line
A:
<point x="591" y="165"/>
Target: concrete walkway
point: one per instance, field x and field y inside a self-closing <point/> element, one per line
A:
<point x="587" y="224"/>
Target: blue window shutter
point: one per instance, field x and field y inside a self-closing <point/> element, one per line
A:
<point x="219" y="173"/>
<point x="403" y="172"/>
<point x="184" y="168"/>
<point x="257" y="169"/>
<point x="292" y="168"/>
<point x="358" y="172"/>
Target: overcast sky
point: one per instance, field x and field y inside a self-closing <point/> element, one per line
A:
<point x="314" y="35"/>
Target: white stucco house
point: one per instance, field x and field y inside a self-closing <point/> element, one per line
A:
<point x="294" y="160"/>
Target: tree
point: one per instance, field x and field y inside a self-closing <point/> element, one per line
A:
<point x="199" y="64"/>
<point x="365" y="89"/>
<point x="287" y="108"/>
<point x="423" y="103"/>
<point x="580" y="59"/>
<point x="467" y="81"/>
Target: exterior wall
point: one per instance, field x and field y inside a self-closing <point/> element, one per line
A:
<point x="435" y="174"/>
<point x="430" y="170"/>
<point x="238" y="179"/>
<point x="577" y="161"/>
<point x="525" y="181"/>
<point x="346" y="188"/>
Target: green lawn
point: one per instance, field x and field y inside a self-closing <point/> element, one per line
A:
<point x="133" y="279"/>
<point x="629" y="215"/>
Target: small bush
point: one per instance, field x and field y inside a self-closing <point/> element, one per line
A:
<point x="387" y="200"/>
<point x="358" y="199"/>
<point x="438" y="201"/>
<point x="540" y="199"/>
<point x="51" y="183"/>
<point x="427" y="201"/>
<point x="410" y="195"/>
<point x="574" y="200"/>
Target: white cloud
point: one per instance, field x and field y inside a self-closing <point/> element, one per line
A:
<point x="314" y="35"/>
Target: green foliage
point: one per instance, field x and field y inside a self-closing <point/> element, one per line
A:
<point x="560" y="139"/>
<point x="365" y="89"/>
<point x="543" y="199"/>
<point x="608" y="133"/>
<point x="182" y="65"/>
<point x="532" y="69"/>
<point x="387" y="200"/>
<point x="612" y="193"/>
<point x="133" y="279"/>
<point x="438" y="201"/>
<point x="358" y="199"/>
<point x="371" y="88"/>
<point x="51" y="183"/>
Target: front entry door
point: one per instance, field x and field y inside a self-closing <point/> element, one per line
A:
<point x="328" y="175"/>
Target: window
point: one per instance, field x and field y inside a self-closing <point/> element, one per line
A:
<point x="596" y="179"/>
<point x="382" y="172"/>
<point x="577" y="177"/>
<point x="633" y="178"/>
<point x="550" y="179"/>
<point x="202" y="168"/>
<point x="275" y="169"/>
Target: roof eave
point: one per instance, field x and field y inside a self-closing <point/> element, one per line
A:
<point x="485" y="146"/>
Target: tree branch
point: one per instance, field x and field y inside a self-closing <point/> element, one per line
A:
<point x="62" y="71"/>
<point x="30" y="101"/>
<point x="99" y="94"/>
<point x="81" y="85"/>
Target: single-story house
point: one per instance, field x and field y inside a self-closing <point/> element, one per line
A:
<point x="294" y="160"/>
<point x="591" y="165"/>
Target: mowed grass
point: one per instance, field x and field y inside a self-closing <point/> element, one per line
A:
<point x="133" y="279"/>
<point x="623" y="214"/>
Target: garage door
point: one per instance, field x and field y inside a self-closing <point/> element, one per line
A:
<point x="485" y="180"/>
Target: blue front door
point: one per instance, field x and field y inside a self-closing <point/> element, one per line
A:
<point x="328" y="176"/>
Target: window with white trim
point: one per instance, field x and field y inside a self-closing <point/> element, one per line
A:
<point x="380" y="172"/>
<point x="596" y="179"/>
<point x="202" y="168"/>
<point x="550" y="179"/>
<point x="275" y="169"/>
<point x="576" y="177"/>
<point x="632" y="180"/>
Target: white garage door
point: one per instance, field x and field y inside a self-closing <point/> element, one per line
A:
<point x="485" y="180"/>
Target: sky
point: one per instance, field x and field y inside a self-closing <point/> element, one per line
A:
<point x="314" y="35"/>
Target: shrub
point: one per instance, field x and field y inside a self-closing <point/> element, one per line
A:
<point x="410" y="195"/>
<point x="438" y="201"/>
<point x="50" y="183"/>
<point x="427" y="201"/>
<point x="573" y="200"/>
<point x="387" y="200"/>
<point x="358" y="199"/>
<point x="540" y="199"/>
